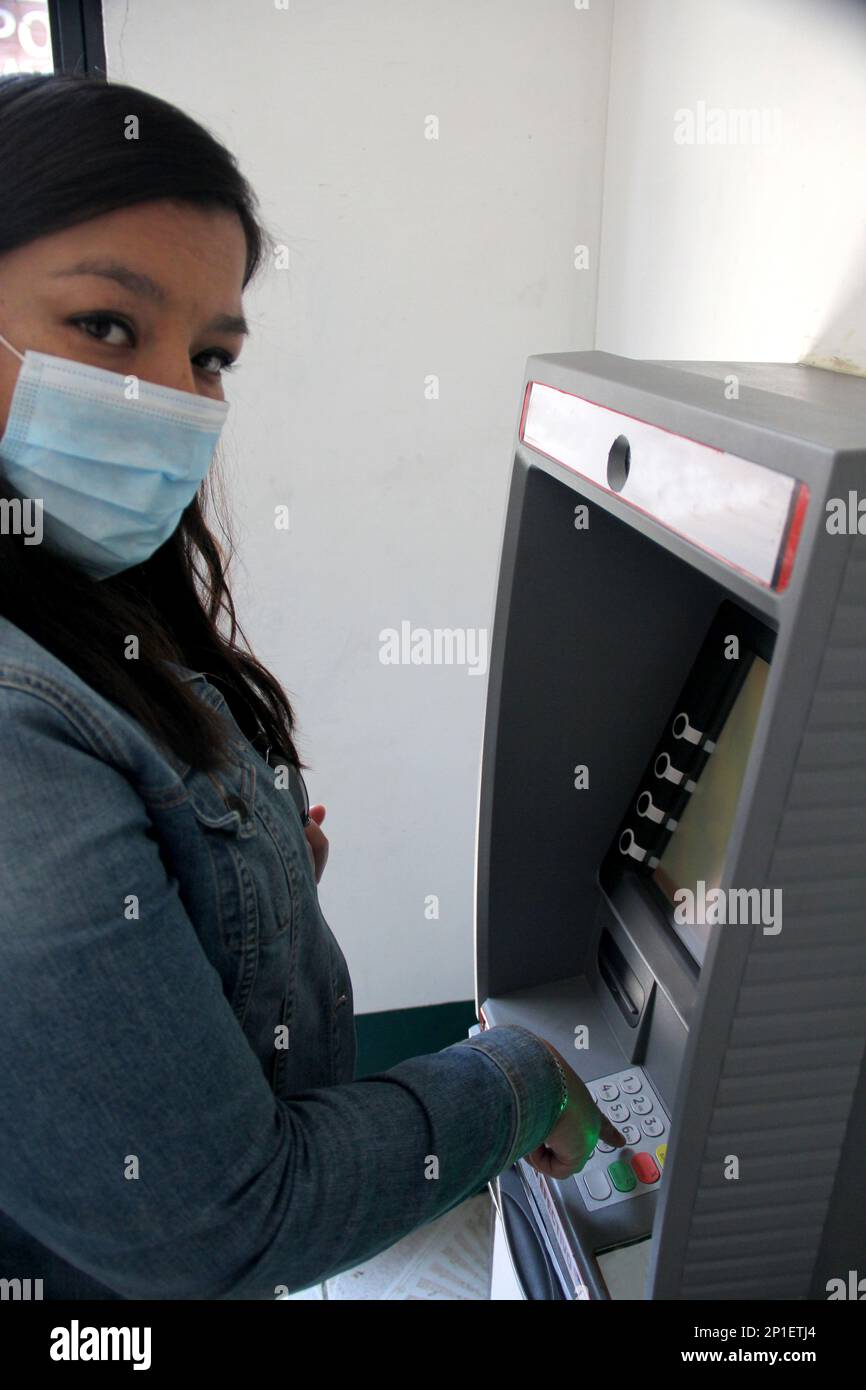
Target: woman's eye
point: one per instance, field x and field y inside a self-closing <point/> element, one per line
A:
<point x="214" y="361"/>
<point x="102" y="322"/>
<point x="224" y="362"/>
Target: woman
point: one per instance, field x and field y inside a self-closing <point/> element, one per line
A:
<point x="180" y="1118"/>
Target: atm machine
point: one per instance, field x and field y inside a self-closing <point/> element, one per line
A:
<point x="671" y="836"/>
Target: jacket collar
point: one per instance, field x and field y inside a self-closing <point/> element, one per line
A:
<point x="184" y="673"/>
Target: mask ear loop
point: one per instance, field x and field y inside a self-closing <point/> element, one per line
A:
<point x="7" y="343"/>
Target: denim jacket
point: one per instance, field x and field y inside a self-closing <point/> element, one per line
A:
<point x="180" y="1118"/>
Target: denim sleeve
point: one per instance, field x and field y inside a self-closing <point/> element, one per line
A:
<point x="141" y="1140"/>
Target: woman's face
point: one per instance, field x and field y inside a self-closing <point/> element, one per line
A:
<point x="152" y="291"/>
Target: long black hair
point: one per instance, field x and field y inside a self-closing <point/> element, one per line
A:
<point x="63" y="160"/>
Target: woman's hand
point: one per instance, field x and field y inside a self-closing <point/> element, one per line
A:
<point x="576" y="1132"/>
<point x="317" y="840"/>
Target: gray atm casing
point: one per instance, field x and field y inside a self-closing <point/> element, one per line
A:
<point x="760" y="1054"/>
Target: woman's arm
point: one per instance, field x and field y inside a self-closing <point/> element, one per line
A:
<point x="141" y="1140"/>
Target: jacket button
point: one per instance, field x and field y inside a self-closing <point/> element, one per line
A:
<point x="341" y="1000"/>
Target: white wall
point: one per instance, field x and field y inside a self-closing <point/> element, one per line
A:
<point x="408" y="257"/>
<point x="726" y="251"/>
<point x="454" y="257"/>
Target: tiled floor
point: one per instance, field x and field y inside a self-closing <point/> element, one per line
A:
<point x="447" y="1260"/>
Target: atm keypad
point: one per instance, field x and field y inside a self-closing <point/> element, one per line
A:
<point x="614" y="1175"/>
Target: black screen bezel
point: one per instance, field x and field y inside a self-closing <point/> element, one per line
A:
<point x="756" y="639"/>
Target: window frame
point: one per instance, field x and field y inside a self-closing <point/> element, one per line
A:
<point x="77" y="37"/>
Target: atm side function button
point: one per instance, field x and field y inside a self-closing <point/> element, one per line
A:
<point x="645" y="1167"/>
<point x="621" y="1176"/>
<point x="608" y="1091"/>
<point x="661" y="1154"/>
<point x="597" y="1185"/>
<point x="618" y="1112"/>
<point x="629" y="1084"/>
<point x="641" y="1105"/>
<point x="653" y="1127"/>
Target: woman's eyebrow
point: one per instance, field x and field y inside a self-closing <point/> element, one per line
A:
<point x="138" y="283"/>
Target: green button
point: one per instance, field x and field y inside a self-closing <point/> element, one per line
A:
<point x="621" y="1176"/>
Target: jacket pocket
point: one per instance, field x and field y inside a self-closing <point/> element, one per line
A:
<point x="254" y="935"/>
<point x="252" y="878"/>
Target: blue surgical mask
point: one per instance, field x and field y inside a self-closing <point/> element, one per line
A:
<point x="115" y="461"/>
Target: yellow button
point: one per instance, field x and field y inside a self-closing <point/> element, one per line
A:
<point x="661" y="1153"/>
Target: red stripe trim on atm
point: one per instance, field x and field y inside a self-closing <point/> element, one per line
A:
<point x="793" y="538"/>
<point x="527" y="393"/>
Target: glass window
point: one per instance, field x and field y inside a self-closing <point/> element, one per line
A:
<point x="25" y="38"/>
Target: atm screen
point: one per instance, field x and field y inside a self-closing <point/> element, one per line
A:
<point x="696" y="851"/>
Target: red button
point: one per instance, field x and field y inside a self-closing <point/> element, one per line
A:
<point x="645" y="1167"/>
